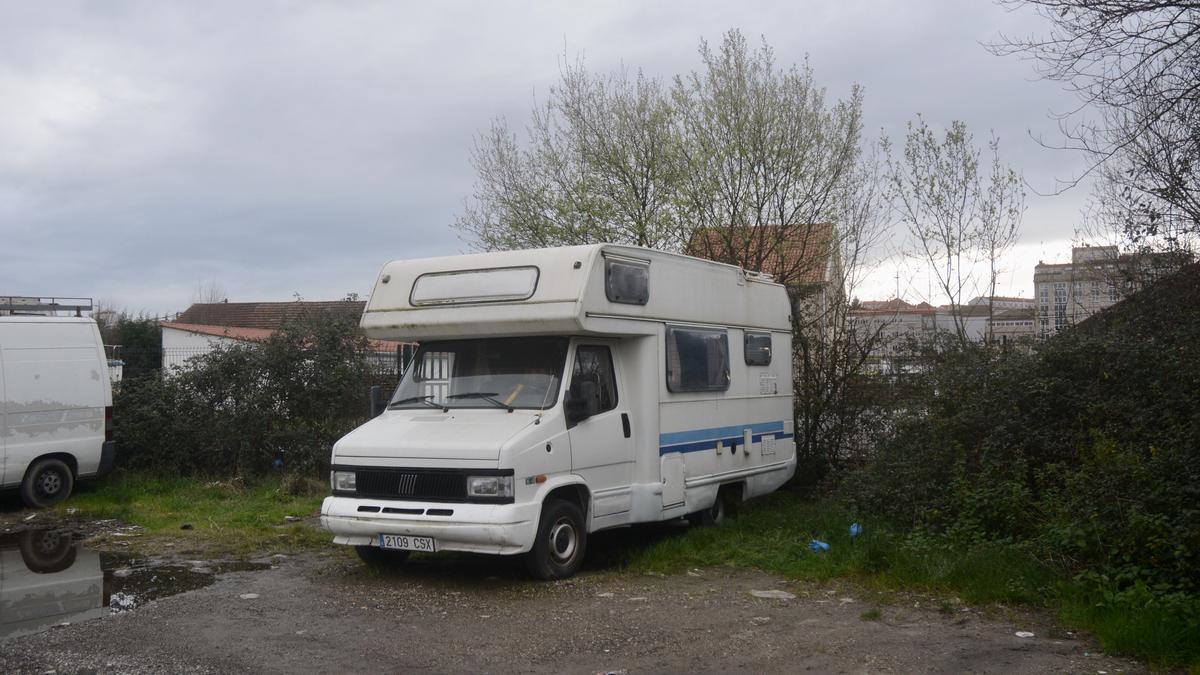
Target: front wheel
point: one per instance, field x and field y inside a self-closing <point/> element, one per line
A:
<point x="380" y="557"/>
<point x="47" y="482"/>
<point x="561" y="541"/>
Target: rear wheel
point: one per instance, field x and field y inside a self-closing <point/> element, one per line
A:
<point x="47" y="482"/>
<point x="380" y="557"/>
<point x="723" y="507"/>
<point x="561" y="541"/>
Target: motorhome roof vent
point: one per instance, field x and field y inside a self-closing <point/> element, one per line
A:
<point x="759" y="276"/>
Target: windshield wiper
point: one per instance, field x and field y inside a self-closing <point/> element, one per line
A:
<point x="485" y="395"/>
<point x="416" y="399"/>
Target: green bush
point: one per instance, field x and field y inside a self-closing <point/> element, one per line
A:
<point x="239" y="408"/>
<point x="1087" y="450"/>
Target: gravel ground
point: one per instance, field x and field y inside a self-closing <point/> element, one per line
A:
<point x="327" y="613"/>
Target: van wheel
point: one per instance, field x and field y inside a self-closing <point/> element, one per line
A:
<point x="47" y="482"/>
<point x="561" y="541"/>
<point x="380" y="557"/>
<point x="710" y="517"/>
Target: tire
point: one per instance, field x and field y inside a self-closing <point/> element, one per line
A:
<point x="561" y="541"/>
<point x="713" y="516"/>
<point x="47" y="551"/>
<point x="47" y="482"/>
<point x="724" y="507"/>
<point x="380" y="557"/>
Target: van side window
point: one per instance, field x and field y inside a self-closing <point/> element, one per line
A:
<point x="758" y="349"/>
<point x="627" y="282"/>
<point x="697" y="359"/>
<point x="593" y="379"/>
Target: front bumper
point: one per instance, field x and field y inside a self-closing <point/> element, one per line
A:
<point x="478" y="528"/>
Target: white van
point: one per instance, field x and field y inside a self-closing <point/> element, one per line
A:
<point x="557" y="392"/>
<point x="55" y="406"/>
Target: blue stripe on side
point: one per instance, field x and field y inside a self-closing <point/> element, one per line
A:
<point x="713" y="434"/>
<point x="706" y="439"/>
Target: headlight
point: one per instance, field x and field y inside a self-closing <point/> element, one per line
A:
<point x="489" y="486"/>
<point x="343" y="481"/>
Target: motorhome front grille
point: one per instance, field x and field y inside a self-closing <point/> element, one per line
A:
<point x="411" y="484"/>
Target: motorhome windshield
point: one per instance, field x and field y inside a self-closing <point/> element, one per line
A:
<point x="486" y="373"/>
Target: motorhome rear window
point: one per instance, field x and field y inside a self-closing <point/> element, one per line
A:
<point x="697" y="359"/>
<point x="627" y="281"/>
<point x="758" y="349"/>
<point x="499" y="284"/>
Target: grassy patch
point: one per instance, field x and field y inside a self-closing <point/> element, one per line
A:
<point x="773" y="534"/>
<point x="225" y="516"/>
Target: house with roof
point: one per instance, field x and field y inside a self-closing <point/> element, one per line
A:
<point x="206" y="326"/>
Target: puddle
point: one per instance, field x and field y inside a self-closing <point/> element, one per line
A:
<point x="47" y="579"/>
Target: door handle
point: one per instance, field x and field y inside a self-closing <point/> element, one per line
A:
<point x="625" y="424"/>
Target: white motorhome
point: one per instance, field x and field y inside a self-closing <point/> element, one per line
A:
<point x="561" y="391"/>
<point x="55" y="404"/>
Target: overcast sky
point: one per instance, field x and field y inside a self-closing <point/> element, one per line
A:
<point x="277" y="148"/>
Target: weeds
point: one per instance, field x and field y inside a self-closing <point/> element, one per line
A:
<point x="225" y="516"/>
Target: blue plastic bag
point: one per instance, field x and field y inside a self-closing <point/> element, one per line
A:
<point x="855" y="530"/>
<point x="818" y="545"/>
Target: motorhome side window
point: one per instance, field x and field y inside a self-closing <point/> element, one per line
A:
<point x="758" y="349"/>
<point x="593" y="380"/>
<point x="627" y="282"/>
<point x="697" y="359"/>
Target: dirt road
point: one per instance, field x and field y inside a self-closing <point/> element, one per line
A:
<point x="327" y="613"/>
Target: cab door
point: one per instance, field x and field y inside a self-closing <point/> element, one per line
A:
<point x="600" y="427"/>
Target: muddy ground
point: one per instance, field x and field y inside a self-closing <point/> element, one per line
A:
<point x="325" y="612"/>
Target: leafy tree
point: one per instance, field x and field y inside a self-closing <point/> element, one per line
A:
<point x="742" y="161"/>
<point x="957" y="216"/>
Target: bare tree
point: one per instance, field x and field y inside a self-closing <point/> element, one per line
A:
<point x="1135" y="66"/>
<point x="956" y="218"/>
<point x="209" y="292"/>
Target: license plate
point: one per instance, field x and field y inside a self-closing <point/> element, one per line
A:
<point x="404" y="542"/>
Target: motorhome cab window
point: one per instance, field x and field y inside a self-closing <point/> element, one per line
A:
<point x="697" y="359"/>
<point x="592" y="380"/>
<point x="490" y="373"/>
<point x="627" y="281"/>
<point x="758" y="349"/>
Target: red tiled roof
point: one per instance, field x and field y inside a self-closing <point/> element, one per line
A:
<point x="232" y="332"/>
<point x="793" y="254"/>
<point x="893" y="306"/>
<point x="256" y="334"/>
<point x="269" y="315"/>
<point x="253" y="321"/>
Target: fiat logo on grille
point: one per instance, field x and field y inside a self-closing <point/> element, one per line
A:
<point x="408" y="483"/>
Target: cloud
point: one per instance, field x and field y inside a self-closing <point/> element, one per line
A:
<point x="294" y="147"/>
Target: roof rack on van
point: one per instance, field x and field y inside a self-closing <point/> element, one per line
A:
<point x="22" y="304"/>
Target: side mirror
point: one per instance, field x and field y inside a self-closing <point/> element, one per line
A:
<point x="575" y="408"/>
<point x="378" y="400"/>
<point x="582" y="401"/>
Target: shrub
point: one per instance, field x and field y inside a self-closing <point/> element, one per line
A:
<point x="239" y="408"/>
